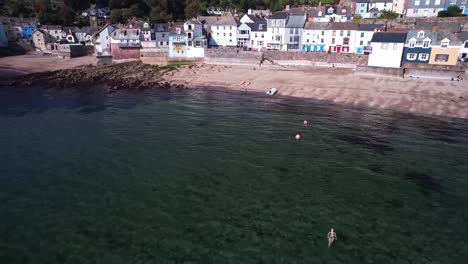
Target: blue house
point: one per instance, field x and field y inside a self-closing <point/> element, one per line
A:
<point x="178" y="43"/>
<point x="417" y="47"/>
<point x="362" y="7"/>
<point x="27" y="30"/>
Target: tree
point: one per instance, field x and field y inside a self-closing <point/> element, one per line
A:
<point x="387" y="14"/>
<point x="82" y="22"/>
<point x="452" y="11"/>
<point x="192" y="8"/>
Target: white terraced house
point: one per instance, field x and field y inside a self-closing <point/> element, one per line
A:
<point x="224" y="32"/>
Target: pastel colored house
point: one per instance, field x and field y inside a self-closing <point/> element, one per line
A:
<point x="418" y="47"/>
<point x="276" y="31"/>
<point x="243" y="34"/>
<point x="27" y="30"/>
<point x="362" y="8"/>
<point x="177" y="43"/>
<point x="364" y="37"/>
<point x="313" y="37"/>
<point x="43" y="41"/>
<point x="445" y="48"/>
<point x="161" y="35"/>
<point x="387" y="49"/>
<point x="294" y="29"/>
<point x="224" y="32"/>
<point x="3" y="36"/>
<point x="102" y="41"/>
<point x="424" y="8"/>
<point x="341" y="37"/>
<point x="126" y="43"/>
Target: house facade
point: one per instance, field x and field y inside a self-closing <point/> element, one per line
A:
<point x="313" y="37"/>
<point x="177" y="43"/>
<point x="27" y="30"/>
<point x="445" y="48"/>
<point x="102" y="41"/>
<point x="341" y="37"/>
<point x="276" y="31"/>
<point x="294" y="29"/>
<point x="425" y="8"/>
<point x="362" y="6"/>
<point x="56" y="31"/>
<point x="224" y="32"/>
<point x="42" y="41"/>
<point x="387" y="49"/>
<point x="364" y="36"/>
<point x="243" y="34"/>
<point x="418" y="47"/>
<point x="126" y="43"/>
<point x="258" y="34"/>
<point x="161" y="35"/>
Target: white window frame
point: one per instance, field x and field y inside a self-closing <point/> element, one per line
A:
<point x="428" y="2"/>
<point x="395" y="46"/>
<point x="437" y="2"/>
<point x="453" y="2"/>
<point x="426" y="44"/>
<point x="425" y="55"/>
<point x="384" y="46"/>
<point x="416" y="2"/>
<point x="412" y="44"/>
<point x="444" y="44"/>
<point x="411" y="56"/>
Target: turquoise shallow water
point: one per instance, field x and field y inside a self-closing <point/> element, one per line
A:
<point x="177" y="176"/>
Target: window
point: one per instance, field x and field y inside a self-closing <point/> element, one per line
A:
<point x="349" y="33"/>
<point x="411" y="56"/>
<point x="333" y="40"/>
<point x="362" y="34"/>
<point x="441" y="57"/>
<point x="224" y="34"/>
<point x="395" y="46"/>
<point x="428" y="2"/>
<point x="224" y="27"/>
<point x="444" y="44"/>
<point x="217" y="27"/>
<point x="217" y="33"/>
<point x="230" y="27"/>
<point x="307" y="40"/>
<point x="423" y="56"/>
<point x="161" y="43"/>
<point x="230" y="34"/>
<point x="333" y="33"/>
<point x="263" y="36"/>
<point x="291" y="31"/>
<point x="255" y="34"/>
<point x="415" y="11"/>
<point x="384" y="46"/>
<point x="416" y="3"/>
<point x="163" y="35"/>
<point x="437" y="2"/>
<point x="322" y="33"/>
<point x="466" y="44"/>
<point x="322" y="41"/>
<point x="290" y="39"/>
<point x="361" y="43"/>
<point x="426" y="44"/>
<point x="412" y="43"/>
<point x="341" y="33"/>
<point x="346" y="41"/>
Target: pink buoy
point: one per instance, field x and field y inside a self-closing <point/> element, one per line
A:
<point x="298" y="136"/>
<point x="306" y="123"/>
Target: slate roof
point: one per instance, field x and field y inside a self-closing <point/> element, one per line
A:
<point x="344" y="26"/>
<point x="317" y="25"/>
<point x="463" y="35"/>
<point x="296" y="21"/>
<point x="427" y="34"/>
<point x="227" y="20"/>
<point x="442" y="26"/>
<point x="279" y="15"/>
<point x="441" y="35"/>
<point x="389" y="37"/>
<point x="370" y="27"/>
<point x="256" y="26"/>
<point x="254" y="18"/>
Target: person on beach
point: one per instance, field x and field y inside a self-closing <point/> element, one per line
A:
<point x="331" y="237"/>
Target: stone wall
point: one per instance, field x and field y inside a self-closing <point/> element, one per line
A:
<point x="125" y="53"/>
<point x="285" y="56"/>
<point x="397" y="72"/>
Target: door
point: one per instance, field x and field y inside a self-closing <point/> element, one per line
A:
<point x="338" y="49"/>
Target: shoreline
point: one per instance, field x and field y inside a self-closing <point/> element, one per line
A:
<point x="427" y="97"/>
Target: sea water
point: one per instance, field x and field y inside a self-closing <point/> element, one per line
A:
<point x="194" y="176"/>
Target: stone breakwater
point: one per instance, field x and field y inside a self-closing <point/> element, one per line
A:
<point x="131" y="75"/>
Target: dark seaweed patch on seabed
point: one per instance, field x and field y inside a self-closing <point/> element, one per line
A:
<point x="425" y="182"/>
<point x="369" y="142"/>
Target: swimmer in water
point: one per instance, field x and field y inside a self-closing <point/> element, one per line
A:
<point x="331" y="237"/>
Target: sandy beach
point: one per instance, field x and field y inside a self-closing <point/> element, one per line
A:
<point x="342" y="86"/>
<point x="337" y="85"/>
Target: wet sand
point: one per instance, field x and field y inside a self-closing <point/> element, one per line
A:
<point x="337" y="85"/>
<point x="342" y="86"/>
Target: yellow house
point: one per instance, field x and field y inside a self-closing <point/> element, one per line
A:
<point x="445" y="49"/>
<point x="42" y="40"/>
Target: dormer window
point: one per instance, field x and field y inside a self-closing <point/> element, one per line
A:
<point x="412" y="43"/>
<point x="444" y="44"/>
<point x="421" y="34"/>
<point x="330" y="10"/>
<point x="426" y="44"/>
<point x="260" y="27"/>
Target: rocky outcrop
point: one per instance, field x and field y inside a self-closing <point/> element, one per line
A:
<point x="130" y="75"/>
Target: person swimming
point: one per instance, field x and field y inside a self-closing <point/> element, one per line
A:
<point x="331" y="237"/>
